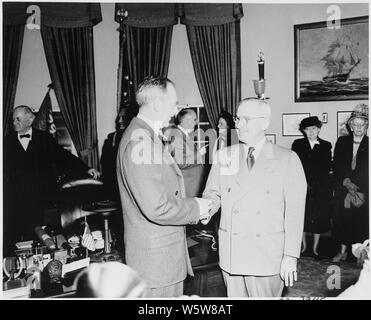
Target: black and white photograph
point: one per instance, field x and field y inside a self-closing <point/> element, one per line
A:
<point x="185" y="151"/>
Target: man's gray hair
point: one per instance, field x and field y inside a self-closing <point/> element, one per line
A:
<point x="26" y="109"/>
<point x="262" y="105"/>
<point x="145" y="94"/>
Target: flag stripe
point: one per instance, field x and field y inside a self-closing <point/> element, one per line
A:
<point x="87" y="240"/>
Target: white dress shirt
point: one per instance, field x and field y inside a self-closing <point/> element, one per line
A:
<point x="313" y="143"/>
<point x="25" y="141"/>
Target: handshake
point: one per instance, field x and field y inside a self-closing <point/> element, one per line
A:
<point x="208" y="208"/>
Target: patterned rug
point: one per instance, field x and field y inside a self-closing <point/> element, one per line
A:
<point x="323" y="278"/>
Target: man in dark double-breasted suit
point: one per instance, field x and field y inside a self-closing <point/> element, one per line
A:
<point x="30" y="160"/>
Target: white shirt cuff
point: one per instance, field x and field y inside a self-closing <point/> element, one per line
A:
<point x="203" y="205"/>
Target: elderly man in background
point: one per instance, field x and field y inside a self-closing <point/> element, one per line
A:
<point x="261" y="189"/>
<point x="187" y="155"/>
<point x="152" y="192"/>
<point x="31" y="157"/>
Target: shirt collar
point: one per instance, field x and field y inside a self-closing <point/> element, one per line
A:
<point x="312" y="143"/>
<point x="29" y="131"/>
<point x="257" y="147"/>
<point x="185" y="131"/>
<point x="155" y="125"/>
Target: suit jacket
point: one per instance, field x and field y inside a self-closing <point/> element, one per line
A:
<point x="316" y="162"/>
<point x="183" y="149"/>
<point x="154" y="207"/>
<point x="262" y="211"/>
<point x="30" y="177"/>
<point x="343" y="155"/>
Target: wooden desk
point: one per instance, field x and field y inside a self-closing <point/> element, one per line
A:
<point x="208" y="279"/>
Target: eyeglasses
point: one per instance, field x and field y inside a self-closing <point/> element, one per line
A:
<point x="237" y="120"/>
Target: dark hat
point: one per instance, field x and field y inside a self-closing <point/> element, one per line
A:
<point x="308" y="122"/>
<point x="360" y="111"/>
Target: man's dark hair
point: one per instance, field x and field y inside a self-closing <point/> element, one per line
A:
<point x="181" y="114"/>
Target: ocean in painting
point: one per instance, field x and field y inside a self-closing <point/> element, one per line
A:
<point x="318" y="89"/>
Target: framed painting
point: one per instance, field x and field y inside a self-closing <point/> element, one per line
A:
<point x="290" y="123"/>
<point x="342" y="119"/>
<point x="331" y="63"/>
<point x="271" y="137"/>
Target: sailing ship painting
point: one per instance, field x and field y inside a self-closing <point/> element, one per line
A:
<point x="340" y="61"/>
<point x="332" y="64"/>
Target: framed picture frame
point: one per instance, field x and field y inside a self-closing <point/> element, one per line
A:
<point x="290" y="123"/>
<point x="342" y="119"/>
<point x="271" y="137"/>
<point x="331" y="63"/>
<point x="324" y="117"/>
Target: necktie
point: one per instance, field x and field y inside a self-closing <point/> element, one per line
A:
<point x="25" y="136"/>
<point x="250" y="158"/>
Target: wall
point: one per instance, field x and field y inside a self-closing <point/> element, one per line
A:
<point x="266" y="27"/>
<point x="269" y="27"/>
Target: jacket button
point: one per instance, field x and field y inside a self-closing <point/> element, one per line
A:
<point x="229" y="189"/>
<point x="258" y="235"/>
<point x="268" y="191"/>
<point x="176" y="192"/>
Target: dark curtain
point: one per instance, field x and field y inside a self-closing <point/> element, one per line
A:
<point x="14" y="19"/>
<point x="70" y="57"/>
<point x="215" y="43"/>
<point x="12" y="49"/>
<point x="145" y="43"/>
<point x="147" y="52"/>
<point x="67" y="34"/>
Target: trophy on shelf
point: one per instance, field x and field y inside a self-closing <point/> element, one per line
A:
<point x="259" y="85"/>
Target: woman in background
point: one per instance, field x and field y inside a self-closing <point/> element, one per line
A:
<point x="226" y="132"/>
<point x="315" y="156"/>
<point x="350" y="220"/>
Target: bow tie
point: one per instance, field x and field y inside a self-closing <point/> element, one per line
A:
<point x="25" y="136"/>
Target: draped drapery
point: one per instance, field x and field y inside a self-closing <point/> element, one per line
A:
<point x="214" y="37"/>
<point x="14" y="19"/>
<point x="148" y="52"/>
<point x="217" y="64"/>
<point x="145" y="43"/>
<point x="216" y="56"/>
<point x="70" y="57"/>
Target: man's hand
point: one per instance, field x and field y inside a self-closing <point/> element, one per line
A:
<point x="288" y="270"/>
<point x="94" y="173"/>
<point x="203" y="150"/>
<point x="212" y="210"/>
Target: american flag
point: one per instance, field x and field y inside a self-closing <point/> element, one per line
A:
<point x="44" y="119"/>
<point x="87" y="240"/>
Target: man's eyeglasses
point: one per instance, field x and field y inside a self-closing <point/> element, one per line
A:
<point x="237" y="120"/>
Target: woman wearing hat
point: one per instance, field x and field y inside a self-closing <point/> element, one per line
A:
<point x="350" y="220"/>
<point x="315" y="156"/>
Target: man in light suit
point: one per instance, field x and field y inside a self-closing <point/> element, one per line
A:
<point x="187" y="155"/>
<point x="152" y="192"/>
<point x="261" y="189"/>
